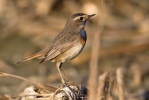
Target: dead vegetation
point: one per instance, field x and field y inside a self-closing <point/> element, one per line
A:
<point x="116" y="50"/>
<point x="108" y="88"/>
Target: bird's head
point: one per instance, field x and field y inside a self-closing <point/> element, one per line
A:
<point x="78" y="20"/>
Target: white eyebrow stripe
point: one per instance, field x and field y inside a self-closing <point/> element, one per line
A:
<point x="78" y="17"/>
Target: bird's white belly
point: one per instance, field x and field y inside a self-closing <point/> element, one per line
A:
<point x="73" y="52"/>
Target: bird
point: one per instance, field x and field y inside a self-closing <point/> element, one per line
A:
<point x="67" y="45"/>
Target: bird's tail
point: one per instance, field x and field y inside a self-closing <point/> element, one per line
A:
<point x="30" y="57"/>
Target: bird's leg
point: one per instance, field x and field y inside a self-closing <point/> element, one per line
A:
<point x="63" y="77"/>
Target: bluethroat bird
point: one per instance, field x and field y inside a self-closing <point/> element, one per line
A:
<point x="67" y="45"/>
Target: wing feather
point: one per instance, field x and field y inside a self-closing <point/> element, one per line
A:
<point x="60" y="44"/>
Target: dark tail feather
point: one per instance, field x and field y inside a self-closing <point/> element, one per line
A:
<point x="30" y="57"/>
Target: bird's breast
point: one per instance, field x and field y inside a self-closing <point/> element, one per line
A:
<point x="71" y="53"/>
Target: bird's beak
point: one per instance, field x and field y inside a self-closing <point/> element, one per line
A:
<point x="91" y="15"/>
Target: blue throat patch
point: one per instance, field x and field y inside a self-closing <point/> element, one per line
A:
<point x="84" y="23"/>
<point x="83" y="32"/>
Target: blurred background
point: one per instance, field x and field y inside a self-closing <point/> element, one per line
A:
<point x="28" y="26"/>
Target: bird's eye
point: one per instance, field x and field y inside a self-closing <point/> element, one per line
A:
<point x="81" y="18"/>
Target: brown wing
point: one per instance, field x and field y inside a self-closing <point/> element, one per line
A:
<point x="61" y="44"/>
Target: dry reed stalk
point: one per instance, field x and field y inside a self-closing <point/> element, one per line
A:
<point x="103" y="86"/>
<point x="112" y="88"/>
<point x="109" y="97"/>
<point x="120" y="83"/>
<point x="92" y="83"/>
<point x="137" y="75"/>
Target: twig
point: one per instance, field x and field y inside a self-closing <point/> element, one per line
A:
<point x="46" y="87"/>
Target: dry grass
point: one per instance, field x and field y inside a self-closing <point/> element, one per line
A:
<point x="105" y="90"/>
